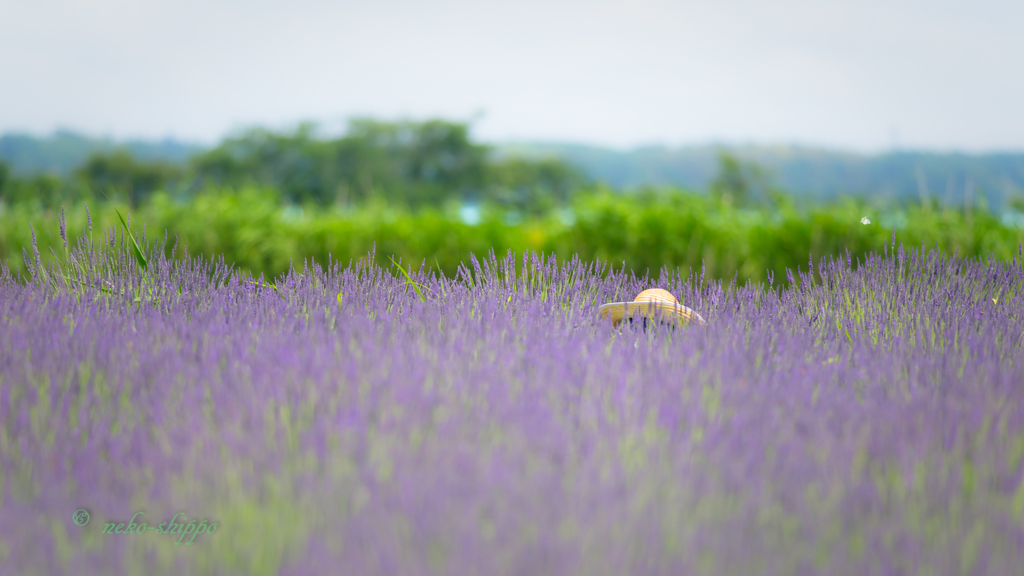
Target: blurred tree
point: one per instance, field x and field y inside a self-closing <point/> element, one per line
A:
<point x="737" y="182"/>
<point x="43" y="190"/>
<point x="417" y="163"/>
<point x="294" y="163"/>
<point x="532" y="186"/>
<point x="218" y="168"/>
<point x="1016" y="203"/>
<point x="412" y="163"/>
<point x="120" y="172"/>
<point x="5" y="172"/>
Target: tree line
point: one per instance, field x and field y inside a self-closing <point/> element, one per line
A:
<point x="408" y="163"/>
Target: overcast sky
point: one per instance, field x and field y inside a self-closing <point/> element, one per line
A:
<point x="863" y="75"/>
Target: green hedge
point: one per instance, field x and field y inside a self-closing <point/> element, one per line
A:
<point x="646" y="232"/>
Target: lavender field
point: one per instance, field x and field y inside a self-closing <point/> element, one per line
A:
<point x="866" y="419"/>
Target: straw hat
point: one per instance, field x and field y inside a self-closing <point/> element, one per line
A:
<point x="653" y="302"/>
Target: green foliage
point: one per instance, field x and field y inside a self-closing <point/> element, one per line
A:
<point x="407" y="162"/>
<point x="119" y="172"/>
<point x="63" y="152"/>
<point x="296" y="163"/>
<point x="686" y="231"/>
<point x="5" y="174"/>
<point x="738" y="182"/>
<point x="412" y="164"/>
<point x="533" y="186"/>
<point x="116" y="175"/>
<point x="42" y="189"/>
<point x="1016" y="203"/>
<point x="803" y="171"/>
<point x="136" y="249"/>
<point x="646" y="232"/>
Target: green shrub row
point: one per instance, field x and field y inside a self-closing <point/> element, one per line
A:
<point x="644" y="232"/>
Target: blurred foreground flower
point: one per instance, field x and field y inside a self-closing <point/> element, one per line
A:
<point x="865" y="221"/>
<point x="499" y="427"/>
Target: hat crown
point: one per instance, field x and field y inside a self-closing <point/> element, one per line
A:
<point x="656" y="295"/>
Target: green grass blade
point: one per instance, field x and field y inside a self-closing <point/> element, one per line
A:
<point x="443" y="294"/>
<point x="415" y="286"/>
<point x="135" y="245"/>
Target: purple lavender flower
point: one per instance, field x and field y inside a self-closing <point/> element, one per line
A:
<point x="496" y="426"/>
<point x="63" y="227"/>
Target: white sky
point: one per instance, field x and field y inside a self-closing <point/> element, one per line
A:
<point x="860" y="74"/>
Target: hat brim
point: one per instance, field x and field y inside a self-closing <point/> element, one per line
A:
<point x="663" y="311"/>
